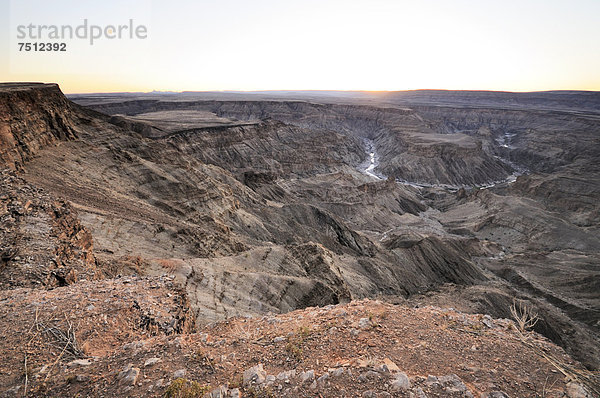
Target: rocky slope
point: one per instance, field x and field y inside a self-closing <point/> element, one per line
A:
<point x="362" y="349"/>
<point x="43" y="243"/>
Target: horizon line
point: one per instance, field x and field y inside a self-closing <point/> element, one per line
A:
<point x="331" y="90"/>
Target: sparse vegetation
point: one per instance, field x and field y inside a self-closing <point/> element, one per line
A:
<point x="236" y="382"/>
<point x="295" y="343"/>
<point x="183" y="388"/>
<point x="246" y="333"/>
<point x="204" y="359"/>
<point x="294" y="350"/>
<point x="304" y="332"/>
<point x="525" y="317"/>
<point x="254" y="392"/>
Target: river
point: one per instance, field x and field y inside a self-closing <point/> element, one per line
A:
<point x="372" y="162"/>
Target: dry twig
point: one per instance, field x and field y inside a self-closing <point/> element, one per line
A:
<point x="526" y="319"/>
<point x="523" y="315"/>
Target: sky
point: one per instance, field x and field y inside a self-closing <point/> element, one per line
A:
<point x="311" y="45"/>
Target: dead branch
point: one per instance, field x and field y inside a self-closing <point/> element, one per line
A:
<point x="523" y="315"/>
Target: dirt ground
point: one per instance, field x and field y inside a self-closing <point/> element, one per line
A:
<point x="132" y="338"/>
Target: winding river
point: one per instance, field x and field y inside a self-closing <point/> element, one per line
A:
<point x="368" y="168"/>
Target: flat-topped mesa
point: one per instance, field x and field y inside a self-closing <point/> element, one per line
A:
<point x="33" y="116"/>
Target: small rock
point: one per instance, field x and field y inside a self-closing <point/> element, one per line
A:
<point x="369" y="394"/>
<point x="152" y="361"/>
<point x="417" y="393"/>
<point x="176" y="342"/>
<point x="235" y="393"/>
<point x="282" y="376"/>
<point x="219" y="392"/>
<point x="389" y="366"/>
<point x="179" y="374"/>
<point x="307" y="376"/>
<point x="270" y="379"/>
<point x="255" y="374"/>
<point x="364" y="323"/>
<point x="453" y="384"/>
<point x="79" y="362"/>
<point x="488" y="321"/>
<point x="368" y="375"/>
<point x="129" y="374"/>
<point x="401" y="382"/>
<point x="432" y="380"/>
<point x="494" y="394"/>
<point x="81" y="378"/>
<point x="337" y="372"/>
<point x="323" y="379"/>
<point x="134" y="345"/>
<point x="575" y="390"/>
<point x="278" y="339"/>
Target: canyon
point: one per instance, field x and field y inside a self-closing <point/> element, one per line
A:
<point x="253" y="204"/>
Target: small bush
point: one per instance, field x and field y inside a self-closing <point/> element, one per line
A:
<point x="294" y="350"/>
<point x="304" y="332"/>
<point x="183" y="388"/>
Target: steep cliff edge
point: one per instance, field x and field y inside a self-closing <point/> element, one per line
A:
<point x="33" y="116"/>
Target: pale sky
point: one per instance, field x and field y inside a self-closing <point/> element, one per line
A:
<point x="313" y="45"/>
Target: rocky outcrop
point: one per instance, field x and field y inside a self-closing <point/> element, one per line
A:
<point x="42" y="242"/>
<point x="70" y="328"/>
<point x="33" y="116"/>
